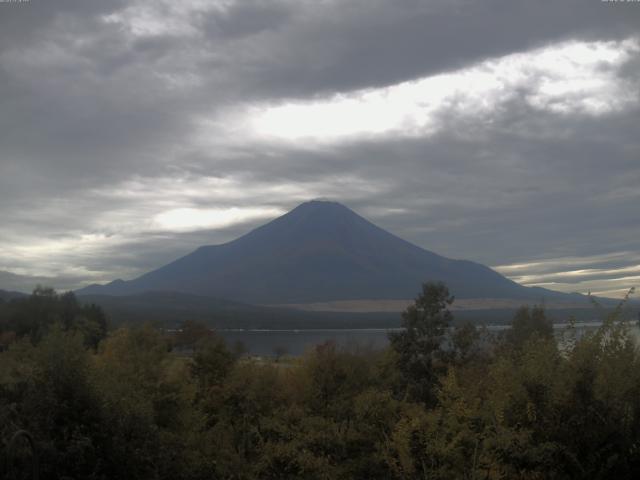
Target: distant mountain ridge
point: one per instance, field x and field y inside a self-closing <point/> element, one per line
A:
<point x="9" y="295"/>
<point x="321" y="251"/>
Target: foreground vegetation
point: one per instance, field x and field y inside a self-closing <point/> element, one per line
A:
<point x="436" y="404"/>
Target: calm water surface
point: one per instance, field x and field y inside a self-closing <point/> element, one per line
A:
<point x="296" y="342"/>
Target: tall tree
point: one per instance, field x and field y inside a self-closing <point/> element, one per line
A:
<point x="419" y="345"/>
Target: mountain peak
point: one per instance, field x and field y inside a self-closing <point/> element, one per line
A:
<point x="322" y="205"/>
<point x="321" y="202"/>
<point x="310" y="219"/>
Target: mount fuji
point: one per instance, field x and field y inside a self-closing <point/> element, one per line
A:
<point x="321" y="252"/>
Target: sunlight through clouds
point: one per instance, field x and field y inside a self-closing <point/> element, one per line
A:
<point x="186" y="219"/>
<point x="610" y="274"/>
<point x="570" y="78"/>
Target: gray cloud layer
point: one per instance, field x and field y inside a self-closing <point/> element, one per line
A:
<point x="114" y="112"/>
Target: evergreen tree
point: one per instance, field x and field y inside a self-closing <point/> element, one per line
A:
<point x="418" y="346"/>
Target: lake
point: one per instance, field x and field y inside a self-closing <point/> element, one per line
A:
<point x="296" y="342"/>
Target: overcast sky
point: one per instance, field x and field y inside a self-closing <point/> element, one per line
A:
<point x="505" y="132"/>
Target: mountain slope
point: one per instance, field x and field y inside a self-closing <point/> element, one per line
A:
<point x="319" y="251"/>
<point x="9" y="295"/>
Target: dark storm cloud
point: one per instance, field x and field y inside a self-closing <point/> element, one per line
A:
<point x="23" y="22"/>
<point x="102" y="107"/>
<point x="340" y="46"/>
<point x="246" y="19"/>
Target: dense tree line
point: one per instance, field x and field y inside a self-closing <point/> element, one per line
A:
<point x="439" y="403"/>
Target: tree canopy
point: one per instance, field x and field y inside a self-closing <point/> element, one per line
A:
<point x="441" y="402"/>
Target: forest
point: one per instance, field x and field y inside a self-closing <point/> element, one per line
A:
<point x="441" y="402"/>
